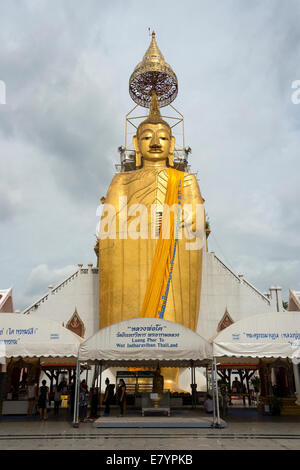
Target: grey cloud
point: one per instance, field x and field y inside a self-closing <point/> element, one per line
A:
<point x="67" y="64"/>
<point x="39" y="279"/>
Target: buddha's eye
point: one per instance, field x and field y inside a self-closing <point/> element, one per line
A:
<point x="164" y="138"/>
<point x="147" y="137"/>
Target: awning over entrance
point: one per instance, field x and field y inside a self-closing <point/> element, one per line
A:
<point x="145" y="341"/>
<point x="33" y="336"/>
<point x="266" y="335"/>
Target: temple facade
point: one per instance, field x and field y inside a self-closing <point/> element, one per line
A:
<point x="133" y="274"/>
<point x="226" y="297"/>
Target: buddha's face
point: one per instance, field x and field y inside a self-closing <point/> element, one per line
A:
<point x="154" y="141"/>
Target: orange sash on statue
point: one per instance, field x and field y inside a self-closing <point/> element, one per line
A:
<point x="157" y="290"/>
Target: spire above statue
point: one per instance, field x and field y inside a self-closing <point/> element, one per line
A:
<point x="153" y="74"/>
<point x="154" y="116"/>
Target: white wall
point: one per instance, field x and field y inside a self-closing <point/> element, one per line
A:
<point x="221" y="289"/>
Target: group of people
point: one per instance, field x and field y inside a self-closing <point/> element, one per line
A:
<point x="108" y="399"/>
<point x="40" y="396"/>
<point x="120" y="396"/>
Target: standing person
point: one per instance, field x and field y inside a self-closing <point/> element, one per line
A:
<point x="63" y="387"/>
<point x="121" y="395"/>
<point x="43" y="400"/>
<point x="31" y="396"/>
<point x="57" y="400"/>
<point x="72" y="397"/>
<point x="108" y="396"/>
<point x="224" y="401"/>
<point x="83" y="385"/>
<point x="236" y="386"/>
<point x="83" y="401"/>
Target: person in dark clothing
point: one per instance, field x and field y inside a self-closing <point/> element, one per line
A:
<point x="108" y="396"/>
<point x="43" y="400"/>
<point x="94" y="402"/>
<point x="121" y="396"/>
<point x="83" y="401"/>
<point x="72" y="397"/>
<point x="57" y="400"/>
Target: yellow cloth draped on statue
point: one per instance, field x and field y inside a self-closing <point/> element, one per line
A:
<point x="125" y="264"/>
<point x="162" y="266"/>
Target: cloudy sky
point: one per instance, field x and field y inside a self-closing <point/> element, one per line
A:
<point x="66" y="65"/>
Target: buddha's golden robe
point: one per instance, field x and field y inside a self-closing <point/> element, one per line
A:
<point x="125" y="264"/>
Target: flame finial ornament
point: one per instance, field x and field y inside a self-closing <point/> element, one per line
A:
<point x="154" y="116"/>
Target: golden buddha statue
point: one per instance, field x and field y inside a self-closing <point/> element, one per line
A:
<point x="126" y="259"/>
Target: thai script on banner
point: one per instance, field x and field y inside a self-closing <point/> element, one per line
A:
<point x="14" y="335"/>
<point x="16" y="331"/>
<point x="147" y="337"/>
<point x="156" y="327"/>
<point x="9" y="341"/>
<point x="257" y="336"/>
<point x="273" y="336"/>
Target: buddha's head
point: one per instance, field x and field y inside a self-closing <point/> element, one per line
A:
<point x="154" y="141"/>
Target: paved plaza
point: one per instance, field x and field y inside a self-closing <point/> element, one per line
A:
<point x="246" y="429"/>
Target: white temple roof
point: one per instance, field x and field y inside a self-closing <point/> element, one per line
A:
<point x="146" y="341"/>
<point x="33" y="336"/>
<point x="265" y="335"/>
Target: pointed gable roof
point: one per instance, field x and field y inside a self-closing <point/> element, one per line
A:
<point x="6" y="301"/>
<point x="225" y="321"/>
<point x="294" y="301"/>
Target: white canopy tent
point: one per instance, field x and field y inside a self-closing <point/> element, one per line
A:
<point x="29" y="337"/>
<point x="266" y="335"/>
<point x="145" y="342"/>
<point x="32" y="336"/>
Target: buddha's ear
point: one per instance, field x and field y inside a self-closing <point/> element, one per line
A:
<point x="135" y="143"/>
<point x="138" y="156"/>
<point x="172" y="146"/>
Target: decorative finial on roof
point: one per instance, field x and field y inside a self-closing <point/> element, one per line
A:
<point x="154" y="116"/>
<point x="154" y="113"/>
<point x="153" y="74"/>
